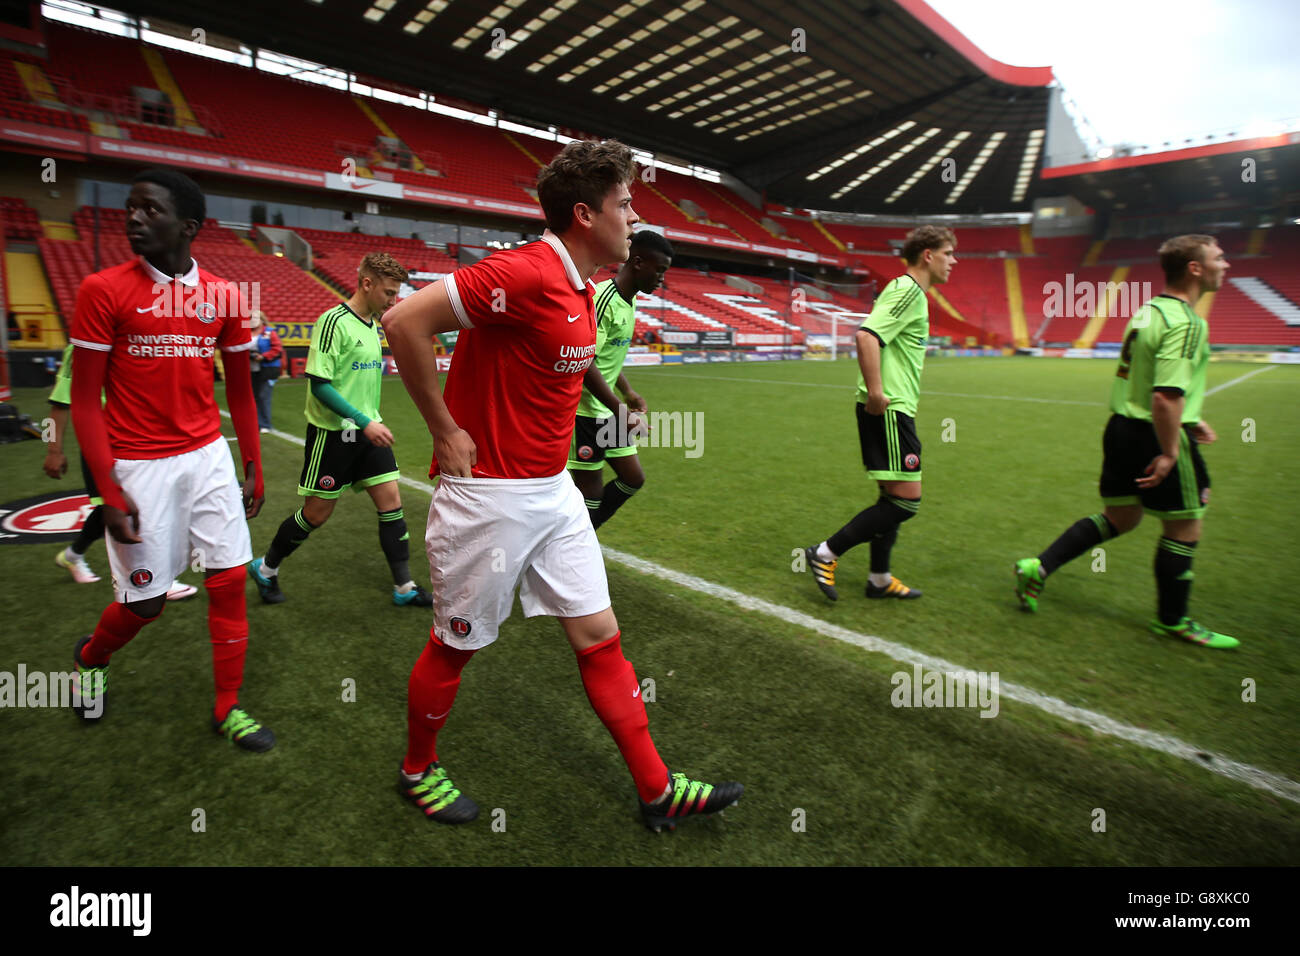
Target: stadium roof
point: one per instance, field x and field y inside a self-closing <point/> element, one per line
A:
<point x="838" y="104"/>
<point x="1260" y="173"/>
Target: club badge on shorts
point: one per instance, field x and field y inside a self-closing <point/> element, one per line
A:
<point x="326" y="482"/>
<point x="911" y="462"/>
<point x="141" y="577"/>
<point x="460" y="627"/>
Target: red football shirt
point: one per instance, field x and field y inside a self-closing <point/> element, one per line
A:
<point x="516" y="374"/>
<point x="160" y="333"/>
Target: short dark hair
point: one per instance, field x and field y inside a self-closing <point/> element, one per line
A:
<point x="1177" y="253"/>
<point x="186" y="195"/>
<point x="582" y="172"/>
<point x="647" y="240"/>
<point x="926" y="237"/>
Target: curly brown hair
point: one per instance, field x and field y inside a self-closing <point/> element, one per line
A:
<point x="582" y="172"/>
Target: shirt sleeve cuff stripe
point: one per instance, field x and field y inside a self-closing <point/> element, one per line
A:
<point x="456" y="305"/>
<point x="97" y="346"/>
<point x="238" y="348"/>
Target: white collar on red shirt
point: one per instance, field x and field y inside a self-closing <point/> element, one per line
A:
<point x="190" y="278"/>
<point x="552" y="240"/>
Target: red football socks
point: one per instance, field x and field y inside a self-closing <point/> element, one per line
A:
<point x="429" y="695"/>
<point x="228" y="631"/>
<point x="615" y="695"/>
<point x="116" y="627"/>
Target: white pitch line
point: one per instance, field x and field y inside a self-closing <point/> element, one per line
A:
<point x="924" y="392"/>
<point x="1240" y="378"/>
<point x="1099" y="723"/>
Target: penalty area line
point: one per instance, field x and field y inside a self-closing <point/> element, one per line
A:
<point x="1256" y="777"/>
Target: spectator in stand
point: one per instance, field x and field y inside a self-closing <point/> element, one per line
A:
<point x="268" y="354"/>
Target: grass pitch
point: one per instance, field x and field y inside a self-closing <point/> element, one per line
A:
<point x="834" y="773"/>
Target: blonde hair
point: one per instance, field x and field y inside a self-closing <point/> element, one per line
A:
<point x="379" y="265"/>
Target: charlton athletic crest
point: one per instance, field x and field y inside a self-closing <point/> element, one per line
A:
<point x="141" y="577"/>
<point x="460" y="627"/>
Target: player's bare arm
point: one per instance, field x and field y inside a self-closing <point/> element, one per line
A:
<point x="243" y="412"/>
<point x="1167" y="417"/>
<point x="622" y="409"/>
<point x="410" y="327"/>
<point x="631" y="396"/>
<point x="56" y="462"/>
<point x="869" y="362"/>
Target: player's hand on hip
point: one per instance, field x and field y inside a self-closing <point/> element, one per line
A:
<point x="56" y="463"/>
<point x="1203" y="434"/>
<point x="124" y="526"/>
<point x="378" y="434"/>
<point x="456" y="454"/>
<point x="876" y="404"/>
<point x="1157" y="471"/>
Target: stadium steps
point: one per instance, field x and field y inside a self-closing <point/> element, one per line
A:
<point x="181" y="112"/>
<point x="522" y="148"/>
<point x="820" y="227"/>
<point x="59" y="230"/>
<point x="327" y="282"/>
<point x="1255" y="245"/>
<point x="1027" y="240"/>
<point x="1268" y="298"/>
<point x="28" y="294"/>
<point x="1094" y="252"/>
<point x="945" y="304"/>
<point x="740" y="210"/>
<point x="38" y="85"/>
<point x="1015" y="301"/>
<point x="385" y="130"/>
<point x="1098" y="321"/>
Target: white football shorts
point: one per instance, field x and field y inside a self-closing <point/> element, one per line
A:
<point x="488" y="536"/>
<point x="191" y="514"/>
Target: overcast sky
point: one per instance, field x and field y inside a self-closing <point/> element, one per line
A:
<point x="1145" y="71"/>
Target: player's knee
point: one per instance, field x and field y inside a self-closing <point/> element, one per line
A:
<point x="903" y="508"/>
<point x="318" y="510"/>
<point x="1124" y="519"/>
<point x="149" y="608"/>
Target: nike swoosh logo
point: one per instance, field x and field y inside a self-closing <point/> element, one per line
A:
<point x="147" y="308"/>
<point x="573" y="318"/>
<point x="637" y="692"/>
<point x="439" y="717"/>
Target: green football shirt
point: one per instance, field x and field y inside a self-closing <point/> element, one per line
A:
<point x="61" y="394"/>
<point x="1166" y="345"/>
<point x="345" y="350"/>
<point x="615" y="319"/>
<point x="901" y="320"/>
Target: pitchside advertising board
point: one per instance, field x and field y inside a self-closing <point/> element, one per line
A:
<point x="57" y="516"/>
